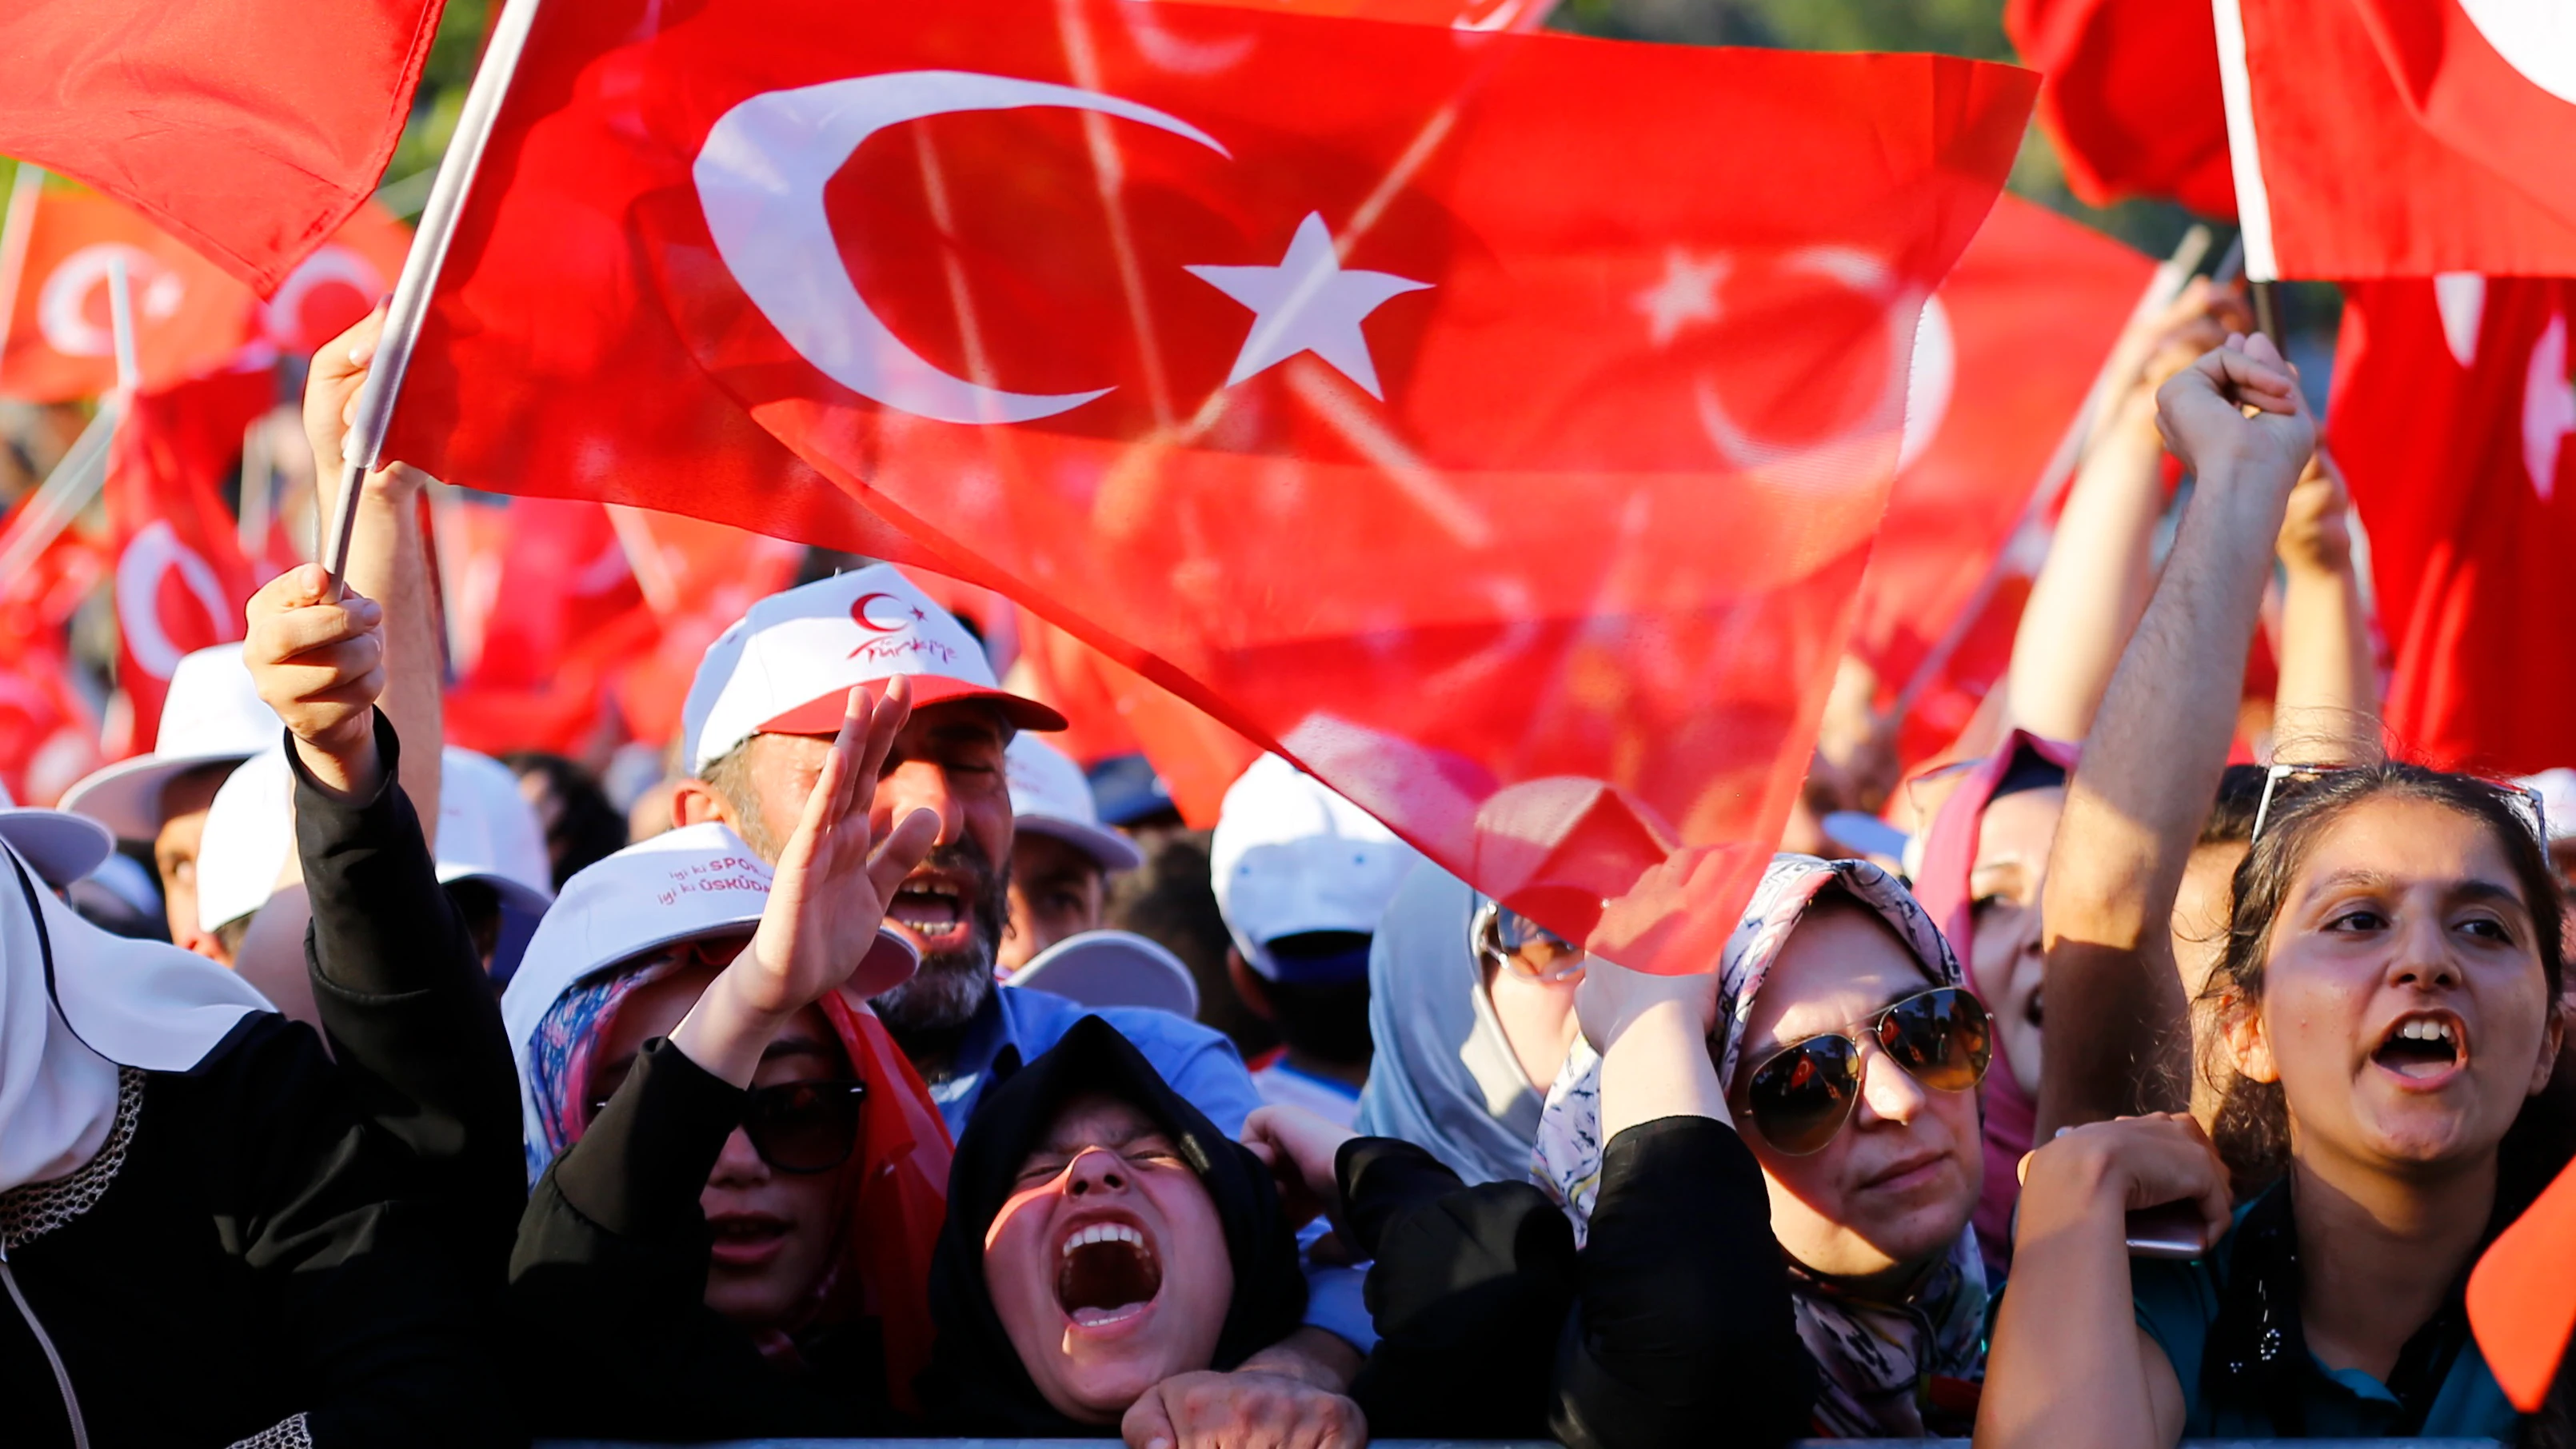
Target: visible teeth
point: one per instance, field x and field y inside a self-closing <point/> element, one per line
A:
<point x="2421" y="1030"/>
<point x="1103" y="1233"/>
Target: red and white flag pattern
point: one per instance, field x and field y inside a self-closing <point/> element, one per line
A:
<point x="1503" y="437"/>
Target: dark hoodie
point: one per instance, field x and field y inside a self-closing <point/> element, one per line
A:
<point x="975" y="1384"/>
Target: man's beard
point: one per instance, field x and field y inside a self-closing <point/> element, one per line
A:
<point x="952" y="984"/>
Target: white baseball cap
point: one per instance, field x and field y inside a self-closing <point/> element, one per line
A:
<point x="682" y="885"/>
<point x="213" y="715"/>
<point x="1112" y="968"/>
<point x="1290" y="857"/>
<point x="1050" y="796"/>
<point x="786" y="666"/>
<point x="487" y="831"/>
<point x="250" y="831"/>
<point x="62" y="847"/>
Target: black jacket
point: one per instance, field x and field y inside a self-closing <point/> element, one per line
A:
<point x="410" y="1015"/>
<point x="237" y="1256"/>
<point x="608" y="1288"/>
<point x="1671" y="1327"/>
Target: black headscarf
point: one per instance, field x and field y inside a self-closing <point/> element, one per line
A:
<point x="975" y="1383"/>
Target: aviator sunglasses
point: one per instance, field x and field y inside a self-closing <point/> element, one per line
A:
<point x="1799" y="1098"/>
<point x="799" y="1127"/>
<point x="1505" y="938"/>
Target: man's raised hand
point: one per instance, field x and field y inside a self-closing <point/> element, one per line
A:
<point x="829" y="896"/>
<point x="2238" y="407"/>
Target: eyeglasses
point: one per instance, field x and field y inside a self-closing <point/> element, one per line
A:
<point x="799" y="1127"/>
<point x="2522" y="800"/>
<point x="1505" y="938"/>
<point x="1799" y="1098"/>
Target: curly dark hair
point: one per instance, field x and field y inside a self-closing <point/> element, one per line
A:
<point x="2253" y="1127"/>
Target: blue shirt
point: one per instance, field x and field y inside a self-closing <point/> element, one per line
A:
<point x="2178" y="1304"/>
<point x="1199" y="1063"/>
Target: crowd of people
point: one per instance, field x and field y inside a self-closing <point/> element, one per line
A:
<point x="861" y="1089"/>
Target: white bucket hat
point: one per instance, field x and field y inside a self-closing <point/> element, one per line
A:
<point x="1049" y="796"/>
<point x="61" y="847"/>
<point x="1113" y="968"/>
<point x="213" y="715"/>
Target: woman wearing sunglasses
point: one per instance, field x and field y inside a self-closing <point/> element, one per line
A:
<point x="1845" y="1051"/>
<point x="739" y="1178"/>
<point x="2387" y="1003"/>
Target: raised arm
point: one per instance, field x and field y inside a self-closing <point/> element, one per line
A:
<point x="2095" y="580"/>
<point x="2151" y="768"/>
<point x="2326" y="709"/>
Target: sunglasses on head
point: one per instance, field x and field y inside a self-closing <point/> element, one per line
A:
<point x="1507" y="939"/>
<point x="1800" y="1096"/>
<point x="2522" y="800"/>
<point x="801" y="1127"/>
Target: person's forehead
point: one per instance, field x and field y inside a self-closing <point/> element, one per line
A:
<point x="2019" y="825"/>
<point x="2406" y="843"/>
<point x="1098" y="1120"/>
<point x="1842" y="962"/>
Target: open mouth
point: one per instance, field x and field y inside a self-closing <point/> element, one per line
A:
<point x="741" y="1240"/>
<point x="2423" y="1046"/>
<point x="1106" y="1273"/>
<point x="933" y="909"/>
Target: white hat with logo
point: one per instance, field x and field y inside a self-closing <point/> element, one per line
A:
<point x="787" y="666"/>
<point x="1050" y="796"/>
<point x="213" y="715"/>
<point x="682" y="885"/>
<point x="62" y="847"/>
<point x="1291" y="857"/>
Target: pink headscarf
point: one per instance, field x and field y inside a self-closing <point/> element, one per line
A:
<point x="1949" y="856"/>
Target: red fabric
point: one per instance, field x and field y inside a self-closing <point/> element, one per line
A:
<point x="1114" y="710"/>
<point x="563" y="611"/>
<point x="2132" y="98"/>
<point x="2359" y="187"/>
<point x="714" y="575"/>
<point x="48" y="733"/>
<point x="1495" y="608"/>
<point x="2465" y="475"/>
<point x="2522" y="1296"/>
<point x="189" y="317"/>
<point x="2000" y="371"/>
<point x="249" y="129"/>
<point x="2465" y="89"/>
<point x="182" y="581"/>
<point x="900" y="1196"/>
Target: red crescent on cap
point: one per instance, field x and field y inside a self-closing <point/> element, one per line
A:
<point x="859" y="614"/>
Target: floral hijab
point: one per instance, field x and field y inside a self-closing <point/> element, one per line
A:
<point x="1895" y="1371"/>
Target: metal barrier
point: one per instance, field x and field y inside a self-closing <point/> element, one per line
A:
<point x="1477" y="1444"/>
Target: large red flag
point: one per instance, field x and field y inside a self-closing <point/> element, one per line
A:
<point x="249" y="129"/>
<point x="2007" y="352"/>
<point x="2496" y="82"/>
<point x="181" y="578"/>
<point x="2337" y="178"/>
<point x="190" y="319"/>
<point x="1497" y="423"/>
<point x="2451" y="417"/>
<point x="2132" y="97"/>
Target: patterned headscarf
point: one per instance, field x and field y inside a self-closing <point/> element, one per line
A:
<point x="1884" y="1370"/>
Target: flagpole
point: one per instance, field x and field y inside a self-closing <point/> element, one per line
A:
<point x="82" y="470"/>
<point x="2171" y="275"/>
<point x="362" y="449"/>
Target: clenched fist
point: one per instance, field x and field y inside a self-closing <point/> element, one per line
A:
<point x="320" y="664"/>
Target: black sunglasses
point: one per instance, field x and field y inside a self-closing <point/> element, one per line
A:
<point x="801" y="1127"/>
<point x="1801" y="1096"/>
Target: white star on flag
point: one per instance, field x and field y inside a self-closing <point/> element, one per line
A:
<point x="1688" y="293"/>
<point x="1307" y="303"/>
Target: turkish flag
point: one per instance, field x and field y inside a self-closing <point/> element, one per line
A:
<point x="697" y="578"/>
<point x="181" y="578"/>
<point x="2451" y="417"/>
<point x="189" y="317"/>
<point x="2007" y="352"/>
<point x="2131" y="99"/>
<point x="1497" y="423"/>
<point x="48" y="733"/>
<point x="558" y="611"/>
<point x="249" y="129"/>
<point x="2344" y="181"/>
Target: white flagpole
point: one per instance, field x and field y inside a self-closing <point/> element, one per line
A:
<point x="361" y="451"/>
